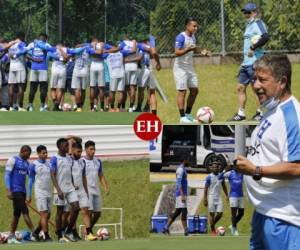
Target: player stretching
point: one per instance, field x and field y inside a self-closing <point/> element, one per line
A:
<point x="16" y="169"/>
<point x="61" y="175"/>
<point x="252" y="51"/>
<point x="212" y="195"/>
<point x="184" y="74"/>
<point x="80" y="184"/>
<point x="41" y="178"/>
<point x="181" y="197"/>
<point x="236" y="200"/>
<point x="94" y="173"/>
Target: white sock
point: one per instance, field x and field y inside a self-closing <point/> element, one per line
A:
<point x="241" y="112"/>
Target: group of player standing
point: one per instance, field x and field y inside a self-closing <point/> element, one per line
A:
<point x="214" y="182"/>
<point x="75" y="180"/>
<point x="106" y="68"/>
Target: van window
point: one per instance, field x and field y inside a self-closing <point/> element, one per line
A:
<point x="221" y="130"/>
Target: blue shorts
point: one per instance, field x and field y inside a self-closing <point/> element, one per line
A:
<point x="246" y="74"/>
<point x="268" y="233"/>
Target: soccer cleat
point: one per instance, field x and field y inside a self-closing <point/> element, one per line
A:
<point x="21" y="109"/>
<point x="186" y="233"/>
<point x="184" y="119"/>
<point x="34" y="237"/>
<point x="90" y="237"/>
<point x="3" y="110"/>
<point x="166" y="231"/>
<point x="70" y="237"/>
<point x="231" y="229"/>
<point x="76" y="235"/>
<point x="237" y="118"/>
<point x="48" y="239"/>
<point x="130" y="110"/>
<point x="257" y="117"/>
<point x="11" y="109"/>
<point x="30" y="108"/>
<point x="13" y="240"/>
<point x="78" y="110"/>
<point x="190" y="117"/>
<point x="63" y="240"/>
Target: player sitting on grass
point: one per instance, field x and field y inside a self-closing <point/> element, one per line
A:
<point x="181" y="197"/>
<point x="61" y="175"/>
<point x="212" y="195"/>
<point x="80" y="184"/>
<point x="16" y="169"/>
<point x="236" y="200"/>
<point x="93" y="168"/>
<point x="41" y="178"/>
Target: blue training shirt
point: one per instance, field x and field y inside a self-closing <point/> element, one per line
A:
<point x="236" y="183"/>
<point x="181" y="180"/>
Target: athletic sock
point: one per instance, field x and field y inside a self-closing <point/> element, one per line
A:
<point x="59" y="233"/>
<point x="92" y="105"/>
<point x="241" y="112"/>
<point x="119" y="105"/>
<point x="102" y="105"/>
<point x="188" y="110"/>
<point x="37" y="230"/>
<point x="181" y="111"/>
<point x="131" y="105"/>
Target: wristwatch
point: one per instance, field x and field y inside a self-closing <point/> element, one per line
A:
<point x="257" y="173"/>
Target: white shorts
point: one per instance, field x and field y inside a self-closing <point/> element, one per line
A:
<point x="215" y="205"/>
<point x="152" y="81"/>
<point x="237" y="202"/>
<point x="130" y="77"/>
<point x="144" y="77"/>
<point x="79" y="82"/>
<point x="58" y="78"/>
<point x="95" y="203"/>
<point x="184" y="78"/>
<point x="38" y="76"/>
<point x="117" y="84"/>
<point x="43" y="204"/>
<point x="68" y="198"/>
<point x="97" y="75"/>
<point x="83" y="199"/>
<point x="17" y="76"/>
<point x="179" y="203"/>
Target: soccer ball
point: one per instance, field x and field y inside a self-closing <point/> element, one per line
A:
<point x="221" y="231"/>
<point x="102" y="234"/>
<point x="205" y="115"/>
<point x="67" y="107"/>
<point x="255" y="39"/>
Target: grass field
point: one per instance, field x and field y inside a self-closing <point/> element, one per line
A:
<point x="217" y="85"/>
<point x="129" y="189"/>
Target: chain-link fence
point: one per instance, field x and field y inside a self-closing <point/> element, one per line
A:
<point x="222" y="24"/>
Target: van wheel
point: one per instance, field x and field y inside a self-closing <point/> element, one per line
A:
<point x="155" y="167"/>
<point x="209" y="160"/>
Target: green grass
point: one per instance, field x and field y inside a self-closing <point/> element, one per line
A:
<point x="161" y="242"/>
<point x="129" y="189"/>
<point x="217" y="89"/>
<point x="66" y="118"/>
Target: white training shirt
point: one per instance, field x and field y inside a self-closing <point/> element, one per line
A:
<point x="78" y="171"/>
<point x="42" y="184"/>
<point x="183" y="41"/>
<point x="214" y="184"/>
<point x="93" y="169"/>
<point x="115" y="65"/>
<point x="59" y="64"/>
<point x="17" y="63"/>
<point x="276" y="139"/>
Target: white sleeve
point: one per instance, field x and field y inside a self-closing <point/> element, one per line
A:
<point x="179" y="173"/>
<point x="10" y="164"/>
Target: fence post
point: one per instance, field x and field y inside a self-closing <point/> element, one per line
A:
<point x="223" y="52"/>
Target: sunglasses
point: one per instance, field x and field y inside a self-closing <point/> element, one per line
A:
<point x="247" y="12"/>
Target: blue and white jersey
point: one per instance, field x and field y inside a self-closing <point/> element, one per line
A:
<point x="38" y="50"/>
<point x="78" y="171"/>
<point x="183" y="41"/>
<point x="16" y="170"/>
<point x="40" y="171"/>
<point x="236" y="183"/>
<point x="152" y="41"/>
<point x="62" y="166"/>
<point x="214" y="184"/>
<point x="115" y="65"/>
<point x="181" y="180"/>
<point x="99" y="57"/>
<point x="93" y="170"/>
<point x="17" y="59"/>
<point x="276" y="139"/>
<point x="142" y="49"/>
<point x="82" y="57"/>
<point x="255" y="27"/>
<point x="58" y="59"/>
<point x="126" y="47"/>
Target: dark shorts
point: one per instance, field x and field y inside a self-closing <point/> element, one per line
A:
<point x="19" y="204"/>
<point x="246" y="74"/>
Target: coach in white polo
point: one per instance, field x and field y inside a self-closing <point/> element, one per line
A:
<point x="273" y="163"/>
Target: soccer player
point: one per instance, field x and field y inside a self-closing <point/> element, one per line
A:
<point x="252" y="51"/>
<point x="117" y="79"/>
<point x="58" y="74"/>
<point x="39" y="70"/>
<point x="236" y="199"/>
<point x="94" y="172"/>
<point x="181" y="197"/>
<point x="41" y="178"/>
<point x="80" y="184"/>
<point x="4" y="64"/>
<point x="184" y="74"/>
<point x="68" y="87"/>
<point x="16" y="169"/>
<point x="212" y="195"/>
<point x="61" y="175"/>
<point x="17" y="72"/>
<point x="272" y="167"/>
<point x="129" y="47"/>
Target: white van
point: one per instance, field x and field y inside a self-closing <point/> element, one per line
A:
<point x="202" y="143"/>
